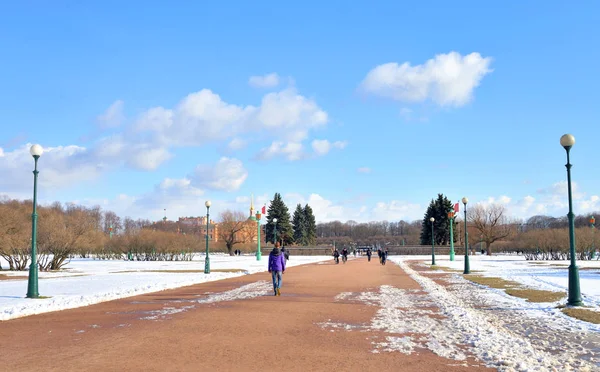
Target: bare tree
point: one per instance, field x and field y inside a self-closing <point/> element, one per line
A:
<point x="249" y="233"/>
<point x="231" y="228"/>
<point x="490" y="221"/>
<point x="112" y="220"/>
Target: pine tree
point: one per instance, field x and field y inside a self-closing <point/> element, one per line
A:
<point x="299" y="223"/>
<point x="279" y="210"/>
<point x="311" y="226"/>
<point x="437" y="209"/>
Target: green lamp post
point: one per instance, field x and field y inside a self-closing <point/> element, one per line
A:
<point x="258" y="253"/>
<point x="432" y="220"/>
<point x="593" y="226"/>
<point x="32" y="282"/>
<point x="207" y="259"/>
<point x="451" y="218"/>
<point x="567" y="141"/>
<point x="465" y="200"/>
<point x="274" y="231"/>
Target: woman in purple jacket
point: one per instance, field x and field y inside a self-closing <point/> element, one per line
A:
<point x="276" y="268"/>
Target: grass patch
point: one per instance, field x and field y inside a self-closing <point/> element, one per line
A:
<point x="535" y="295"/>
<point x="446" y="269"/>
<point x="181" y="271"/>
<point x="583" y="314"/>
<point x="491" y="281"/>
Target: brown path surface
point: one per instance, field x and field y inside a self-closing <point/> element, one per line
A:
<point x="264" y="333"/>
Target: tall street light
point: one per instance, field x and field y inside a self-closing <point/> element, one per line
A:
<point x="32" y="284"/>
<point x="207" y="259"/>
<point x="465" y="200"/>
<point x="567" y="141"/>
<point x="432" y="243"/>
<point x="451" y="218"/>
<point x="274" y="231"/>
<point x="258" y="253"/>
<point x="593" y="226"/>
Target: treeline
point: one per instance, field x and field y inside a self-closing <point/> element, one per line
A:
<point x="65" y="231"/>
<point x="348" y="232"/>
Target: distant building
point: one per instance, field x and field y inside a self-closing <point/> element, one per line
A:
<point x="197" y="225"/>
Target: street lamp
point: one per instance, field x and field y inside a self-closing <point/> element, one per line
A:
<point x="593" y="225"/>
<point x="258" y="253"/>
<point x="465" y="200"/>
<point x="451" y="218"/>
<point x="432" y="243"/>
<point x="207" y="259"/>
<point x="274" y="231"/>
<point x="567" y="141"/>
<point x="32" y="283"/>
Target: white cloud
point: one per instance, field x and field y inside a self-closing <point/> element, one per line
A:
<point x="113" y="116"/>
<point x="340" y="144"/>
<point x="236" y="144"/>
<point x="290" y="114"/>
<point x="147" y="157"/>
<point x="227" y="175"/>
<point x="265" y="81"/>
<point x="447" y="79"/>
<point x="203" y="117"/>
<point x="322" y="147"/>
<point x="397" y="210"/>
<point x="364" y="170"/>
<point x="291" y="151"/>
<point x="552" y="201"/>
<point x="59" y="167"/>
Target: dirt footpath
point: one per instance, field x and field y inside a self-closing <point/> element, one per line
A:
<point x="171" y="331"/>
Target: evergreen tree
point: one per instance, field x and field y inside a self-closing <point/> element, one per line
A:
<point x="311" y="226"/>
<point x="299" y="223"/>
<point x="285" y="231"/>
<point x="437" y="209"/>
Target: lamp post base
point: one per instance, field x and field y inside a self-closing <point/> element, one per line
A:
<point x="32" y="288"/>
<point x="467" y="266"/>
<point x="452" y="255"/>
<point x="258" y="256"/>
<point x="432" y="260"/>
<point x="207" y="265"/>
<point x="574" y="289"/>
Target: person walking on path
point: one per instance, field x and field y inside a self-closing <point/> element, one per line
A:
<point x="285" y="253"/>
<point x="369" y="254"/>
<point x="276" y="268"/>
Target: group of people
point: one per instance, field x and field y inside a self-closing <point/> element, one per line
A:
<point x="381" y="253"/>
<point x="237" y="252"/>
<point x="279" y="257"/>
<point x="337" y="254"/>
<point x="277" y="260"/>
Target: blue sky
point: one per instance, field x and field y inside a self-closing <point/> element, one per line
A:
<point x="139" y="102"/>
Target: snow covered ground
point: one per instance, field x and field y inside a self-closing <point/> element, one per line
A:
<point x="545" y="275"/>
<point x="87" y="281"/>
<point x="472" y="324"/>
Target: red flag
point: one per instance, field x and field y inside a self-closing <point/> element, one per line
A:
<point x="264" y="209"/>
<point x="456" y="208"/>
